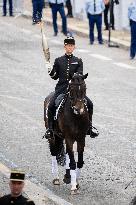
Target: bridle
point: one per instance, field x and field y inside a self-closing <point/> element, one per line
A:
<point x="77" y="92"/>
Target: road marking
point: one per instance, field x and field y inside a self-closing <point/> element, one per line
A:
<point x="23" y="86"/>
<point x="16" y="111"/>
<point x="37" y="36"/>
<point x="25" y="30"/>
<point x="56" y="42"/>
<point x="18" y="15"/>
<point x="19" y="99"/>
<point x="6" y="24"/>
<point x="39" y="194"/>
<point x="123" y="65"/>
<point x="82" y="50"/>
<point x="100" y="57"/>
<point x="100" y="114"/>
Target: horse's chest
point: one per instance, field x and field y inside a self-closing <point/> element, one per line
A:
<point x="76" y="124"/>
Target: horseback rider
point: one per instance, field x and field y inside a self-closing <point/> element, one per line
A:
<point x="64" y="67"/>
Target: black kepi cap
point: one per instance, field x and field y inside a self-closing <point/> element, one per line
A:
<point x="69" y="40"/>
<point x="17" y="175"/>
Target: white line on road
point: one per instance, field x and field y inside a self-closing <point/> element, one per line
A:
<point x="56" y="42"/>
<point x="115" y="117"/>
<point x="25" y="31"/>
<point x="98" y="56"/>
<point x="22" y="86"/>
<point x="39" y="194"/>
<point x="18" y="15"/>
<point x="19" y="99"/>
<point x="123" y="65"/>
<point x="37" y="36"/>
<point x="82" y="50"/>
<point x="16" y="111"/>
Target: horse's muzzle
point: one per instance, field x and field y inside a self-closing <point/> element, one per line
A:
<point x="78" y="111"/>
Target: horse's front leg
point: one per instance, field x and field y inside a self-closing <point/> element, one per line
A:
<point x="79" y="166"/>
<point x="67" y="177"/>
<point x="80" y="163"/>
<point x="72" y="165"/>
<point x="55" y="171"/>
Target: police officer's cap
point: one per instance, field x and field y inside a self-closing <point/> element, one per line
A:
<point x="17" y="175"/>
<point x="69" y="40"/>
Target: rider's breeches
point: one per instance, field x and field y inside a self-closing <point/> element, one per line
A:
<point x="51" y="112"/>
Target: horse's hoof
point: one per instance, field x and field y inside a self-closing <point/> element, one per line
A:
<point x="56" y="182"/>
<point x="67" y="180"/>
<point x="74" y="192"/>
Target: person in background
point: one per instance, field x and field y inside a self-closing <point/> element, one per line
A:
<point x="132" y="19"/>
<point x="69" y="8"/>
<point x="16" y="185"/>
<point x="109" y="3"/>
<point x="94" y="9"/>
<point x="37" y="10"/>
<point x="5" y="7"/>
<point x="58" y="6"/>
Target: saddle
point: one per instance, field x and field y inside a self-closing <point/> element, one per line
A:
<point x="59" y="99"/>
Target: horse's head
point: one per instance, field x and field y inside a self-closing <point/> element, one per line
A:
<point x="77" y="92"/>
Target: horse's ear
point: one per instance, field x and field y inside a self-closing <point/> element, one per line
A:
<point x="85" y="76"/>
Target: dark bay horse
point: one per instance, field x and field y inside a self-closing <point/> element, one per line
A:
<point x="73" y="123"/>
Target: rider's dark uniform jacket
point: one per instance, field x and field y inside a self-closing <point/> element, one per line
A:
<point x="20" y="200"/>
<point x="64" y="67"/>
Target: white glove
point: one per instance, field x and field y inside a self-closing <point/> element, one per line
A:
<point x="49" y="67"/>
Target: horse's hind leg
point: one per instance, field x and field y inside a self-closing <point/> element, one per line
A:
<point x="53" y="150"/>
<point x="67" y="177"/>
<point x="55" y="171"/>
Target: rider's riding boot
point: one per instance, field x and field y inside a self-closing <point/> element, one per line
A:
<point x="49" y="132"/>
<point x="93" y="132"/>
